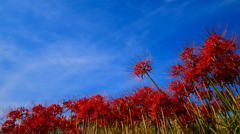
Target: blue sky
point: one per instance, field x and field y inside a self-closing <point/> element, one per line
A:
<point x="56" y="49"/>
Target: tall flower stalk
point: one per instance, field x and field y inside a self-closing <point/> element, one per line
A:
<point x="142" y="68"/>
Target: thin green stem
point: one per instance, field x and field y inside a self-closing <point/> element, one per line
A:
<point x="153" y="82"/>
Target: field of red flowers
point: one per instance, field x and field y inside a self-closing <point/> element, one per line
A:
<point x="205" y="99"/>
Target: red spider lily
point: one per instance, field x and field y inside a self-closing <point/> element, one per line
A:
<point x="8" y="126"/>
<point x="160" y="102"/>
<point x="39" y="120"/>
<point x="218" y="58"/>
<point x="16" y="120"/>
<point x="176" y="70"/>
<point x="141" y="101"/>
<point x="96" y="107"/>
<point x="142" y="67"/>
<point x="121" y="109"/>
<point x="187" y="54"/>
<point x="44" y="118"/>
<point x="142" y="97"/>
<point x="20" y="113"/>
<point x="181" y="89"/>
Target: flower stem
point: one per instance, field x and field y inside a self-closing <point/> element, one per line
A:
<point x="153" y="81"/>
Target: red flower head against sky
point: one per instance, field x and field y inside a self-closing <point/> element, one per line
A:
<point x="143" y="66"/>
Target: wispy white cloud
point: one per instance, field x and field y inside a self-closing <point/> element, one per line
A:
<point x="62" y="66"/>
<point x="48" y="72"/>
<point x="167" y="9"/>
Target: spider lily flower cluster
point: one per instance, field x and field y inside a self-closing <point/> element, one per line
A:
<point x="142" y="67"/>
<point x="205" y="99"/>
